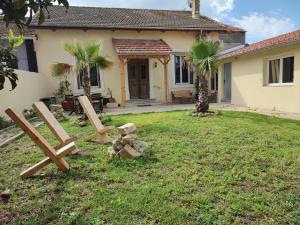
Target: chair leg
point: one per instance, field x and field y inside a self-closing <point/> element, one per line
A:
<point x="59" y="154"/>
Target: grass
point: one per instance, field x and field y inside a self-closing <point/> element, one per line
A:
<point x="236" y="168"/>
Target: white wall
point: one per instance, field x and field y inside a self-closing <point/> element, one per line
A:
<point x="31" y="87"/>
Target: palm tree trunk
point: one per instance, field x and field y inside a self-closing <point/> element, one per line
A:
<point x="202" y="104"/>
<point x="86" y="84"/>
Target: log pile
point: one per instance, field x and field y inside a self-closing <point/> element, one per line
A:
<point x="127" y="144"/>
<point x="58" y="111"/>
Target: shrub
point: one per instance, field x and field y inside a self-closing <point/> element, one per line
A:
<point x="4" y="123"/>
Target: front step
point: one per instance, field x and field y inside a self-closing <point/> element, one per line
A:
<point x="142" y="102"/>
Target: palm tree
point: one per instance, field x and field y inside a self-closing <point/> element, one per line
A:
<point x="203" y="57"/>
<point x="86" y="57"/>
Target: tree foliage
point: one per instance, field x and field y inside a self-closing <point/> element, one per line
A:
<point x="20" y="12"/>
<point x="204" y="58"/>
<point x="8" y="60"/>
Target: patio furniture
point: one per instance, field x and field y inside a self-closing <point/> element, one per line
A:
<point x="48" y="101"/>
<point x="182" y="96"/>
<point x="101" y="131"/>
<point x="52" y="155"/>
<point x="54" y="126"/>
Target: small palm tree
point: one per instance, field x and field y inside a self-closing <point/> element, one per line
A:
<point x="86" y="57"/>
<point x="203" y="57"/>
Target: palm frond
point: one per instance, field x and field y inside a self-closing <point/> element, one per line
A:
<point x="60" y="69"/>
<point x="92" y="49"/>
<point x="101" y="62"/>
<point x="203" y="56"/>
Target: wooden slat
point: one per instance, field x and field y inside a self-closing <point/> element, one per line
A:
<point x="90" y="112"/>
<point x="123" y="82"/>
<point x="40" y="141"/>
<point x="51" y="122"/>
<point x="59" y="154"/>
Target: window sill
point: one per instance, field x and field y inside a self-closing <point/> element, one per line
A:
<point x="280" y="85"/>
<point x="184" y="85"/>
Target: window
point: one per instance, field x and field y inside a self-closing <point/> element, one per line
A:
<point x="183" y="74"/>
<point x="232" y="38"/>
<point x="214" y="84"/>
<point x="25" y="54"/>
<point x="94" y="75"/>
<point x="281" y="71"/>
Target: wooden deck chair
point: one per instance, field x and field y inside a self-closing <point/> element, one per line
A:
<point x="52" y="155"/>
<point x="101" y="131"/>
<point x="54" y="126"/>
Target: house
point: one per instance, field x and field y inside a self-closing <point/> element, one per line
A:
<point x="264" y="75"/>
<point x="146" y="46"/>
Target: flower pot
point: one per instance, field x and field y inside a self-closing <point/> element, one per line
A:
<point x="67" y="106"/>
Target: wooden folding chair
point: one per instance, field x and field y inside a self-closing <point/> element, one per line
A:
<point x="52" y="155"/>
<point x="54" y="126"/>
<point x="101" y="131"/>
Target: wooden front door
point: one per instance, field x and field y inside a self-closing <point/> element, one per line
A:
<point x="138" y="79"/>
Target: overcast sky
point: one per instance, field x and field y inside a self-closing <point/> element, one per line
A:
<point x="261" y="18"/>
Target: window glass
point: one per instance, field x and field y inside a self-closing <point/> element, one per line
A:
<point x="143" y="72"/>
<point x="185" y="74"/>
<point x="94" y="76"/>
<point x="232" y="38"/>
<point x="177" y="69"/>
<point x="21" y="54"/>
<point x="132" y="72"/>
<point x="288" y="70"/>
<point x="191" y="77"/>
<point x="274" y="71"/>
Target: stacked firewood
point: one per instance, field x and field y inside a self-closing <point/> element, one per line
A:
<point x="127" y="144"/>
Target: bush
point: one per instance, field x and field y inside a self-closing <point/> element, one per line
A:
<point x="4" y="123"/>
<point x="29" y="113"/>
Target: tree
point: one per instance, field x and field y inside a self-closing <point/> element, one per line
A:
<point x="86" y="57"/>
<point x="8" y="60"/>
<point x="20" y="13"/>
<point x="203" y="57"/>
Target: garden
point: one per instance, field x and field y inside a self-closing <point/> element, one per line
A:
<point x="233" y="168"/>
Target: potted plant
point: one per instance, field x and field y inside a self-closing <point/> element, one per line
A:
<point x="61" y="93"/>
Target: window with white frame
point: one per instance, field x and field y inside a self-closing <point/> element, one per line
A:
<point x="280" y="71"/>
<point x="183" y="74"/>
<point x="94" y="75"/>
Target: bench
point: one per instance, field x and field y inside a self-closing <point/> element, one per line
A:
<point x="182" y="96"/>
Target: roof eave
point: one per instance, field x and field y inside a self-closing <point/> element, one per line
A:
<point x="262" y="49"/>
<point x="128" y="28"/>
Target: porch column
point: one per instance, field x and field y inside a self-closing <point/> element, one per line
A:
<point x="123" y="82"/>
<point x="165" y="62"/>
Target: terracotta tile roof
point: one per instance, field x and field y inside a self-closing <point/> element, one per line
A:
<point x="122" y="18"/>
<point x="141" y="47"/>
<point x="4" y="30"/>
<point x="278" y="41"/>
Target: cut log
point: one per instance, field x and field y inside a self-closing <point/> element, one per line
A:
<point x="140" y="146"/>
<point x="127" y="129"/>
<point x="129" y="139"/>
<point x="129" y="153"/>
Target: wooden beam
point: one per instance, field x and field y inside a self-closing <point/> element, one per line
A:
<point x="123" y="82"/>
<point x="166" y="81"/>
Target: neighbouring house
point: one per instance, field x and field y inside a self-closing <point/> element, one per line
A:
<point x="147" y="48"/>
<point x="263" y="75"/>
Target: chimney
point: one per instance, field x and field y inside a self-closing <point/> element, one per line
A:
<point x="196" y="9"/>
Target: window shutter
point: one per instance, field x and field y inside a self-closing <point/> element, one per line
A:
<point x="31" y="56"/>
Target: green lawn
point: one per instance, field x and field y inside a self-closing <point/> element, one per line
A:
<point x="236" y="168"/>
